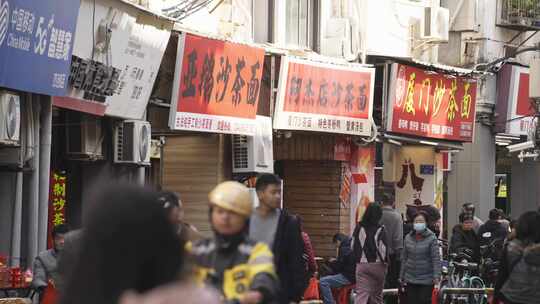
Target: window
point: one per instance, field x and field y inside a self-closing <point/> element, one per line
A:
<point x="302" y="22"/>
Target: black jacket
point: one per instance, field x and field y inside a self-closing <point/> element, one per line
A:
<point x="462" y="239"/>
<point x="288" y="250"/>
<point x="345" y="261"/>
<point x="497" y="232"/>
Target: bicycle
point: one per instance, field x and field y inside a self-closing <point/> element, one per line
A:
<point x="458" y="275"/>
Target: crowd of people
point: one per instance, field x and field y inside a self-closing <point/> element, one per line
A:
<point x="136" y="248"/>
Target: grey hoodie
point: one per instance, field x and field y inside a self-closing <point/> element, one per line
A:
<point x="421" y="259"/>
<point x="522" y="285"/>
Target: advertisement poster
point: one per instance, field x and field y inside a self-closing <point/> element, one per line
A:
<point x="417" y="172"/>
<point x="57" y="203"/>
<point x="430" y="104"/>
<point x="216" y="86"/>
<point x="362" y="182"/>
<point x="116" y="59"/>
<point x="36" y="39"/>
<point x="322" y="97"/>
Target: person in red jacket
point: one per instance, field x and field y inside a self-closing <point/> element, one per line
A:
<point x="309" y="253"/>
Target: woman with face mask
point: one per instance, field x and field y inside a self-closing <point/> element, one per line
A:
<point x="420" y="262"/>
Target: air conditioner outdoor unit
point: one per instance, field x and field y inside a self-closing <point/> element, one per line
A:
<point x="132" y="139"/>
<point x="84" y="136"/>
<point x="254" y="153"/>
<point x="434" y="25"/>
<point x="10" y="118"/>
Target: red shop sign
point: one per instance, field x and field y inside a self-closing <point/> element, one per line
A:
<point x="433" y="105"/>
<point x="217" y="87"/>
<point x="324" y="97"/>
<point x="57" y="203"/>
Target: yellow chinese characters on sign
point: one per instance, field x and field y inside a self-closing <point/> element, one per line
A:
<point x="432" y="103"/>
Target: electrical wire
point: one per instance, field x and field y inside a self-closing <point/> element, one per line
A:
<point x="187" y="8"/>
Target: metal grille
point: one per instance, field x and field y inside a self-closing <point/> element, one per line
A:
<point x="524" y="13"/>
<point x="240" y="147"/>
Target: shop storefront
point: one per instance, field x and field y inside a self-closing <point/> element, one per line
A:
<point x="323" y="119"/>
<point x="100" y="132"/>
<point x="516" y="189"/>
<point x="215" y="95"/>
<point x="429" y="114"/>
<point x="35" y="54"/>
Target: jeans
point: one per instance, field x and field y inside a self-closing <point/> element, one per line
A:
<point x="328" y="282"/>
<point x="392" y="278"/>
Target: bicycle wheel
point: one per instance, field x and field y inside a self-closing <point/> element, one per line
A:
<point x="477" y="282"/>
<point x="444" y="298"/>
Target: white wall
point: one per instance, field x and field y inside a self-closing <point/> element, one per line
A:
<point x="491" y="38"/>
<point x="386" y="30"/>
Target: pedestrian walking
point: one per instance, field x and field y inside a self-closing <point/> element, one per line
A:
<point x="468" y="208"/>
<point x="174" y="210"/>
<point x="241" y="269"/>
<point x="281" y="232"/>
<point x="128" y="244"/>
<point x="519" y="275"/>
<point x="371" y="255"/>
<point x="493" y="229"/>
<point x="46" y="264"/>
<point x="420" y="262"/>
<point x="393" y="224"/>
<point x="343" y="269"/>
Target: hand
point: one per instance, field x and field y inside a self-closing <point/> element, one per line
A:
<point x="251" y="297"/>
<point x="436" y="282"/>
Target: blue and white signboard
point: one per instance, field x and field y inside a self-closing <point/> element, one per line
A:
<point x="36" y="39"/>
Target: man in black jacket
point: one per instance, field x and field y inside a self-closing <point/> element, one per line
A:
<point x="281" y="231"/>
<point x="493" y="229"/>
<point x="464" y="237"/>
<point x="343" y="268"/>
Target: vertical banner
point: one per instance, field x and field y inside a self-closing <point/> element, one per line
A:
<point x="57" y="203"/>
<point x="363" y="181"/>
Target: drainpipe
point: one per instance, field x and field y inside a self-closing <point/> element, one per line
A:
<point x="17" y="221"/>
<point x="33" y="197"/>
<point x="44" y="170"/>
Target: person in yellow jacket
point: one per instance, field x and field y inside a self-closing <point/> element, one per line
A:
<point x="242" y="269"/>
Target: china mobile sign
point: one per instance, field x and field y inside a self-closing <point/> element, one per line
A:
<point x="430" y="104"/>
<point x="36" y="39"/>
<point x="324" y="97"/>
<point x="216" y="86"/>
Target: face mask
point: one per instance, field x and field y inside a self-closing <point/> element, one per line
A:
<point x="419" y="227"/>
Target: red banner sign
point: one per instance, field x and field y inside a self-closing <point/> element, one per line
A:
<point x="57" y="203"/>
<point x="324" y="97"/>
<point x="430" y="104"/>
<point x="217" y="87"/>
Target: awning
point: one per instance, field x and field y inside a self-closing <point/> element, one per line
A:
<point x="435" y="143"/>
